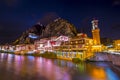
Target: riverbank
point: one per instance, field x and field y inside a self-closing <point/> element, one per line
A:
<point x="49" y="55"/>
<point x="10" y="52"/>
<point x="16" y="67"/>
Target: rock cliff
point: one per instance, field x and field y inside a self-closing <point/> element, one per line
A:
<point x="55" y="28"/>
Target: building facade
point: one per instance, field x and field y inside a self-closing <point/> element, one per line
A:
<point x="75" y="47"/>
<point x="79" y="46"/>
<point x="48" y="44"/>
<point x="96" y="32"/>
<point x="117" y="45"/>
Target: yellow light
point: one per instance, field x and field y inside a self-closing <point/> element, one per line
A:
<point x="97" y="46"/>
<point x="99" y="73"/>
<point x="118" y="44"/>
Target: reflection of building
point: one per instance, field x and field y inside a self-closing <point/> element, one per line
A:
<point x="95" y="32"/>
<point x="117" y="44"/>
<point x="98" y="73"/>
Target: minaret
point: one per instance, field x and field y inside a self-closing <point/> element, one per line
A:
<point x="95" y="32"/>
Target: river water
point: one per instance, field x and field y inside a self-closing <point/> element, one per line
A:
<point x="16" y="67"/>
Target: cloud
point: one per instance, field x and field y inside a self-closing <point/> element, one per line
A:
<point x="48" y="17"/>
<point x="116" y="3"/>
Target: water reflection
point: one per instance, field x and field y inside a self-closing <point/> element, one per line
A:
<point x="16" y="67"/>
<point x="111" y="75"/>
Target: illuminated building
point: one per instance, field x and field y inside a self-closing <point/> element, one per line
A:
<point x="75" y="47"/>
<point x="79" y="46"/>
<point x="24" y="48"/>
<point x="117" y="45"/>
<point x="95" y="32"/>
<point x="40" y="45"/>
<point x="97" y="47"/>
<point x="48" y="44"/>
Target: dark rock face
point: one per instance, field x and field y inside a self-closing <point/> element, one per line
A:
<point x="59" y="27"/>
<point x="25" y="39"/>
<point x="56" y="28"/>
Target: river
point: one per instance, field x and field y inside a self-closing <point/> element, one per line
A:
<point x="17" y="67"/>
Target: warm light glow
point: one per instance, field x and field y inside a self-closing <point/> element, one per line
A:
<point x="118" y="44"/>
<point x="97" y="46"/>
<point x="99" y="73"/>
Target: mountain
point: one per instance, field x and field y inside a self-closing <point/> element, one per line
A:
<point x="59" y="27"/>
<point x="29" y="35"/>
<point x="55" y="28"/>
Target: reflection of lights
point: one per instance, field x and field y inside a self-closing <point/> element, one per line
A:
<point x="41" y="59"/>
<point x="99" y="73"/>
<point x="111" y="75"/>
<point x="19" y="58"/>
<point x="118" y="44"/>
<point x="2" y="55"/>
<point x="10" y="57"/>
<point x="31" y="58"/>
<point x="81" y="67"/>
<point x="24" y="65"/>
<point x="69" y="64"/>
<point x="63" y="63"/>
<point x="49" y="62"/>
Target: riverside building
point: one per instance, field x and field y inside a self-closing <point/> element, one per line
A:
<point x="117" y="45"/>
<point x="79" y="46"/>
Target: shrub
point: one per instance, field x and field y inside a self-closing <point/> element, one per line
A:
<point x="76" y="60"/>
<point x="46" y="55"/>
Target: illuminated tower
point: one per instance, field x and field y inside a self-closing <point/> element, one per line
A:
<point x="95" y="32"/>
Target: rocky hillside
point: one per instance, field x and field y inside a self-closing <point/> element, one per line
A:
<point x="59" y="27"/>
<point x="26" y="36"/>
<point x="56" y="28"/>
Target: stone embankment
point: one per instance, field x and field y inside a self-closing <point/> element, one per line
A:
<point x="102" y="56"/>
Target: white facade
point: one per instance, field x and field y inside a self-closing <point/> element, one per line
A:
<point x="46" y="44"/>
